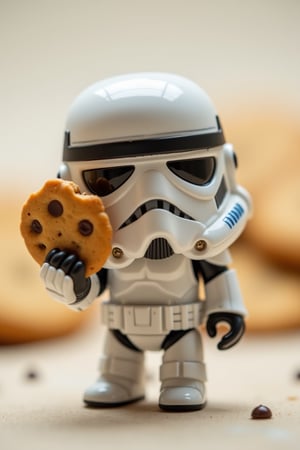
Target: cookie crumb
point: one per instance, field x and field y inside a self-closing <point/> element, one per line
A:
<point x="261" y="412"/>
<point x="32" y="374"/>
<point x="297" y="375"/>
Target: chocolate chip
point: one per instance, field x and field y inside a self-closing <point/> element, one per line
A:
<point x="36" y="226"/>
<point x="261" y="412"/>
<point x="55" y="208"/>
<point x="85" y="227"/>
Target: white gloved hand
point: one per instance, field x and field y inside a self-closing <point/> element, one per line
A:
<point x="59" y="285"/>
<point x="64" y="280"/>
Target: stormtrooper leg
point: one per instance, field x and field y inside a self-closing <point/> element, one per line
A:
<point x="182" y="374"/>
<point x="121" y="376"/>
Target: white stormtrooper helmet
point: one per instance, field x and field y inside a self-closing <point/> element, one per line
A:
<point x="152" y="147"/>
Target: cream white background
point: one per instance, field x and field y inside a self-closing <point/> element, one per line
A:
<point x="239" y="51"/>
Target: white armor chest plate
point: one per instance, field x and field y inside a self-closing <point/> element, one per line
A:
<point x="167" y="281"/>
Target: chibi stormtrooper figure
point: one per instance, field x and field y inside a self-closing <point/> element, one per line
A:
<point x="152" y="147"/>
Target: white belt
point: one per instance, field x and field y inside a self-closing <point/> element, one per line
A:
<point x="151" y="320"/>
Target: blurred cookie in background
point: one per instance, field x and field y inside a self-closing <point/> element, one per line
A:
<point x="27" y="313"/>
<point x="275" y="229"/>
<point x="267" y="257"/>
<point x="271" y="294"/>
<point x="266" y="140"/>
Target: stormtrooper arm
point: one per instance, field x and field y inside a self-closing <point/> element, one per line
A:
<point x="224" y="303"/>
<point x="223" y="294"/>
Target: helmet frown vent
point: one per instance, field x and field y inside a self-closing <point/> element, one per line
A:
<point x="159" y="249"/>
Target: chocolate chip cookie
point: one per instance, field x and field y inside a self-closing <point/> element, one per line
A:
<point x="59" y="216"/>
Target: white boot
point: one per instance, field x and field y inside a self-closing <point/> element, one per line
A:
<point x="183" y="375"/>
<point x="121" y="379"/>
